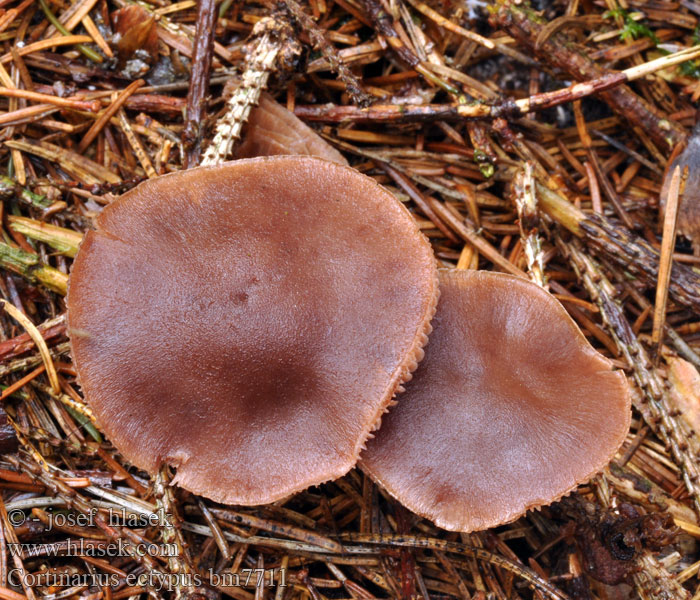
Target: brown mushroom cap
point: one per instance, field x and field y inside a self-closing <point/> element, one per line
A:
<point x="510" y="409"/>
<point x="249" y="323"/>
<point x="273" y="130"/>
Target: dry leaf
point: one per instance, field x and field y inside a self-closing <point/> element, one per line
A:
<point x="134" y="30"/>
<point x="272" y="129"/>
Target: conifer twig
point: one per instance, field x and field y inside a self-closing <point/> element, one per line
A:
<point x="199" y="84"/>
<point x="409" y="541"/>
<point x="630" y="252"/>
<point x="654" y="405"/>
<point x="275" y="44"/>
<point x="392" y="113"/>
<point x="352" y="84"/>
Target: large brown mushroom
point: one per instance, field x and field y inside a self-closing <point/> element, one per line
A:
<point x="510" y="409"/>
<point x="249" y="323"/>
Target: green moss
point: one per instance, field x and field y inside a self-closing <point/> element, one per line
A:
<point x="631" y="30"/>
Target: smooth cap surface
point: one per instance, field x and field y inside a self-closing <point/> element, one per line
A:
<point x="510" y="409"/>
<point x="249" y="323"/>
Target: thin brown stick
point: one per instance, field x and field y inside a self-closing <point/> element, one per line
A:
<point x="668" y="243"/>
<point x="109" y="112"/>
<point x="75" y="103"/>
<point x="199" y="81"/>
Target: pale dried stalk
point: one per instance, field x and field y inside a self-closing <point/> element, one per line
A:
<point x="79" y="407"/>
<point x="654" y="406"/>
<point x="136" y="145"/>
<point x="654" y="582"/>
<point x="275" y="37"/>
<point x="525" y="199"/>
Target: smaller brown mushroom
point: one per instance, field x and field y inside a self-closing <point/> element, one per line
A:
<point x="510" y="409"/>
<point x="273" y="130"/>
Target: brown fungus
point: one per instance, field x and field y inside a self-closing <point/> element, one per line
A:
<point x="249" y="323"/>
<point x="273" y="130"/>
<point x="510" y="409"/>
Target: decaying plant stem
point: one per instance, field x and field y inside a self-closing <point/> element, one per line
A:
<point x="275" y="43"/>
<point x="621" y="247"/>
<point x="525" y="199"/>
